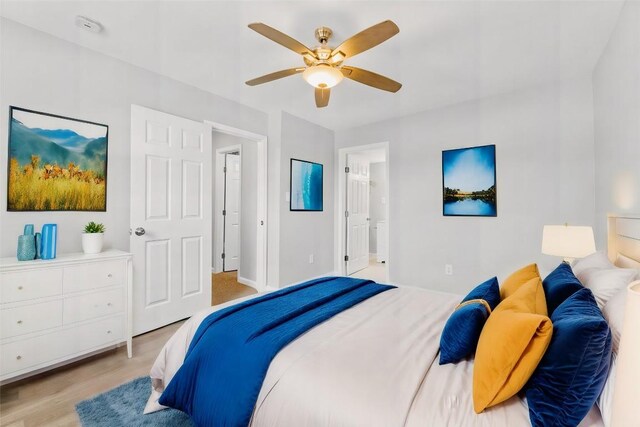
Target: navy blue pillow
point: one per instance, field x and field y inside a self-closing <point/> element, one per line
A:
<point x="559" y="285"/>
<point x="572" y="373"/>
<point x="461" y="333"/>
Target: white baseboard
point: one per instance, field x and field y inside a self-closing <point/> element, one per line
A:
<point x="248" y="282"/>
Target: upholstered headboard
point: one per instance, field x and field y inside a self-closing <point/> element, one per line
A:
<point x="624" y="240"/>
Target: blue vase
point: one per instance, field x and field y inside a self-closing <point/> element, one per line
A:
<point x="26" y="247"/>
<point x="49" y="241"/>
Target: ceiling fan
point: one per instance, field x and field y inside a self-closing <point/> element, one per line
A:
<point x="324" y="64"/>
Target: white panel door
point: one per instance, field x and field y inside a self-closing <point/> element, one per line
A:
<point x="357" y="217"/>
<point x="170" y="218"/>
<point x="232" y="186"/>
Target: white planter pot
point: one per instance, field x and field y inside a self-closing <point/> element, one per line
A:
<point x="92" y="242"/>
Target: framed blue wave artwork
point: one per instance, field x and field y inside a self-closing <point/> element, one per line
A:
<point x="469" y="181"/>
<point x="305" y="186"/>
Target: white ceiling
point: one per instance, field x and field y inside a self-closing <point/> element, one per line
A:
<point x="446" y="52"/>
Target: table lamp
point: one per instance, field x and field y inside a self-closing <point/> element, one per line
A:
<point x="568" y="241"/>
<point x="625" y="394"/>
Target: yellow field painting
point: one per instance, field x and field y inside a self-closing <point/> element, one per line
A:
<point x="52" y="187"/>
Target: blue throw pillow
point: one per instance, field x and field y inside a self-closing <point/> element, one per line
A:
<point x="572" y="373"/>
<point x="461" y="333"/>
<point x="559" y="285"/>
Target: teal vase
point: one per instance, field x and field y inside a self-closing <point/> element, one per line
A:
<point x="38" y="243"/>
<point x="26" y="247"/>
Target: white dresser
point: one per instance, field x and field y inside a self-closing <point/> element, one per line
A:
<point x="58" y="310"/>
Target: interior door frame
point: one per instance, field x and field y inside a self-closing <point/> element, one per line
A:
<point x="340" y="239"/>
<point x="260" y="283"/>
<point x="219" y="205"/>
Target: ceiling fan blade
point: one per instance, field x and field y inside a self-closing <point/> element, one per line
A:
<point x="322" y="97"/>
<point x="281" y="38"/>
<point x="366" y="39"/>
<point x="371" y="79"/>
<point x="274" y="76"/>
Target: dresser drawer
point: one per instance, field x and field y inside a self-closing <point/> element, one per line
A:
<point x="25" y="285"/>
<point x="93" y="275"/>
<point x="85" y="307"/>
<point x="41" y="350"/>
<point x="30" y="318"/>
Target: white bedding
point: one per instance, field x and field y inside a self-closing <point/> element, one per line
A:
<point x="372" y="365"/>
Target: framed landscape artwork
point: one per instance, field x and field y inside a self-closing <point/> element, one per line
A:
<point x="469" y="181"/>
<point x="305" y="186"/>
<point x="56" y="163"/>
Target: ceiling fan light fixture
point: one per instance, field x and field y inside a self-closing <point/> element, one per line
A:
<point x="322" y="76"/>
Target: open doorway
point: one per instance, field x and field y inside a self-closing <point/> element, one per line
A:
<point x="239" y="213"/>
<point x="363" y="194"/>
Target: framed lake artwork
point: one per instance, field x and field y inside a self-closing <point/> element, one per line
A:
<point x="305" y="186"/>
<point x="469" y="181"/>
<point x="56" y="163"/>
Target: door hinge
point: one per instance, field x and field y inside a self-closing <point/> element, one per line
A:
<point x="346" y="169"/>
<point x="224" y="212"/>
<point x="222" y="255"/>
<point x="346" y="214"/>
<point x="224" y="169"/>
<point x="346" y="257"/>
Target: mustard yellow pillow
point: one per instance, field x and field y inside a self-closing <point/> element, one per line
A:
<point x="517" y="279"/>
<point x="511" y="345"/>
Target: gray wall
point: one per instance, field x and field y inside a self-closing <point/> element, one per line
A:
<point x="248" y="201"/>
<point x="616" y="89"/>
<point x="305" y="233"/>
<point x="377" y="210"/>
<point x="44" y="73"/>
<point x="545" y="174"/>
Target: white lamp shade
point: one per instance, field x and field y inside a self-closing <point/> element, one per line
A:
<point x="626" y="394"/>
<point x="568" y="241"/>
<point x="322" y="76"/>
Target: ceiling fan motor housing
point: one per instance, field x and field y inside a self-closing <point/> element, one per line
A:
<point x="323" y="34"/>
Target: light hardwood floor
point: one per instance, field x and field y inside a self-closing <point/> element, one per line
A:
<point x="49" y="399"/>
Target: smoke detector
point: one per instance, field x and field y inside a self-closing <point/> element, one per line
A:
<point x="88" y="24"/>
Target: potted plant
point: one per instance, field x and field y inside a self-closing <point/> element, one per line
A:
<point x="92" y="238"/>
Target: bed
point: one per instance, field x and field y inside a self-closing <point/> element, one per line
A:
<point x="375" y="364"/>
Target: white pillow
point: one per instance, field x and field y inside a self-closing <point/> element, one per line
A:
<point x="605" y="400"/>
<point x="605" y="283"/>
<point x="613" y="312"/>
<point x="595" y="260"/>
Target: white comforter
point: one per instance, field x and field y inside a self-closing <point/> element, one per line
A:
<point x="372" y="365"/>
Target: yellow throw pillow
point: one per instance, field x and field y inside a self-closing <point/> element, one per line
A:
<point x="511" y="345"/>
<point x="517" y="279"/>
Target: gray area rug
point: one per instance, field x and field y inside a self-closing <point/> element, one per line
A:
<point x="123" y="406"/>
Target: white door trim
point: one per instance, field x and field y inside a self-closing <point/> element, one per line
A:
<point x="261" y="173"/>
<point x="218" y="202"/>
<point x="341" y="203"/>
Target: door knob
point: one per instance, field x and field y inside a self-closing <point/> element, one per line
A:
<point x="140" y="231"/>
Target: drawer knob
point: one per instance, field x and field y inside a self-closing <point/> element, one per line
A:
<point x="108" y="332"/>
<point x="108" y="304"/>
<point x="18" y="357"/>
<point x="109" y="275"/>
<point x="19" y="288"/>
<point x="19" y="322"/>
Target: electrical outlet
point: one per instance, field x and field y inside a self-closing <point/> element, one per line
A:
<point x="448" y="269"/>
<point x="311" y="259"/>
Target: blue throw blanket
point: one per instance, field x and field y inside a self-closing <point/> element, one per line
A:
<point x="227" y="361"/>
